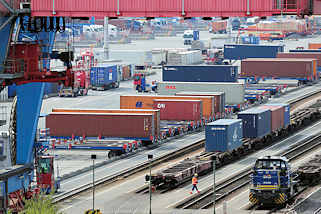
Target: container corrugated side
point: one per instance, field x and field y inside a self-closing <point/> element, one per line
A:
<point x="256" y="122"/>
<point x="302" y="69"/>
<point x="147" y="101"/>
<point x="223" y="135"/>
<point x="106" y="125"/>
<point x="179" y="110"/>
<point x="234" y="92"/>
<point x="155" y="112"/>
<point x="239" y="52"/>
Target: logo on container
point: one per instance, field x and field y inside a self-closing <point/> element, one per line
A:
<point x="235" y="135"/>
<point x="160" y="105"/>
<point x="139" y="104"/>
<point x="170" y="69"/>
<point x="170" y="87"/>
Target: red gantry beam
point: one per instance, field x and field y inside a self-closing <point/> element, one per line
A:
<point x="167" y="8"/>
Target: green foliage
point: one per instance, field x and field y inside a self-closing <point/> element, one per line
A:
<point x="41" y="205"/>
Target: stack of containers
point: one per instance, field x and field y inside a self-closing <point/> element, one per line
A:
<point x="179" y="110"/>
<point x="200" y="73"/>
<point x="256" y="122"/>
<point x="219" y="99"/>
<point x="147" y="102"/>
<point x="223" y="135"/>
<point x="277" y="116"/>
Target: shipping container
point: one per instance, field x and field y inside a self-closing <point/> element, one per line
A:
<point x="301" y="69"/>
<point x="104" y="77"/>
<point x="179" y="110"/>
<point x="256" y="122"/>
<point x="147" y="102"/>
<point x="305" y="51"/>
<point x="219" y="26"/>
<point x="314" y="46"/>
<point x="219" y="98"/>
<point x="200" y="73"/>
<point x="234" y="92"/>
<point x="167" y="8"/>
<point x="223" y="135"/>
<point x="184" y="58"/>
<point x="277" y="116"/>
<point x="156" y="113"/>
<point x="304" y="55"/>
<point x="287" y="110"/>
<point x="120" y="125"/>
<point x="126" y="72"/>
<point x="239" y="52"/>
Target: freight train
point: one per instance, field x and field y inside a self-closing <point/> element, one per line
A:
<point x="259" y="127"/>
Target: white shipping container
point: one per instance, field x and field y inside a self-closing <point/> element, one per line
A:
<point x="234" y="92"/>
<point x="4" y="95"/>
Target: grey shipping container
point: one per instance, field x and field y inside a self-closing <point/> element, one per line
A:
<point x="118" y="125"/>
<point x="200" y="73"/>
<point x="239" y="52"/>
<point x="234" y="92"/>
<point x="256" y="122"/>
<point x="223" y="135"/>
<point x="219" y="98"/>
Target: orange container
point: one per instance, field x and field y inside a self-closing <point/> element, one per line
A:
<point x="314" y="45"/>
<point x="137" y="111"/>
<point x="146" y="102"/>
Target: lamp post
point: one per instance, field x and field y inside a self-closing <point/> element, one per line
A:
<point x="150" y="157"/>
<point x="214" y="195"/>
<point x="93" y="157"/>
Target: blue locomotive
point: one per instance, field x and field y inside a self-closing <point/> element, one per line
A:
<point x="272" y="181"/>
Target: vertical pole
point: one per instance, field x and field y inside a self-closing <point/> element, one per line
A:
<point x="106" y="49"/>
<point x="150" y="187"/>
<point x="53" y="7"/>
<point x="248" y="8"/>
<point x="214" y="194"/>
<point x="183" y="8"/>
<point x="93" y="184"/>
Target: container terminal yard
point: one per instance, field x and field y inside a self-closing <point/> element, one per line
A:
<point x="124" y="106"/>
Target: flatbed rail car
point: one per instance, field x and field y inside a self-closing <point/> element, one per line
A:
<point x="181" y="172"/>
<point x="116" y="147"/>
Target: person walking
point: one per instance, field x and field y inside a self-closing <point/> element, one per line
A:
<point x="194" y="183"/>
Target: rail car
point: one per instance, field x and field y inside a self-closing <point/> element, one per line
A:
<point x="202" y="164"/>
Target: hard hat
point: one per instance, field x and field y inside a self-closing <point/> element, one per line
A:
<point x="195" y="174"/>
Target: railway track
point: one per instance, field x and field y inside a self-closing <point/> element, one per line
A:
<point x="138" y="168"/>
<point x="205" y="199"/>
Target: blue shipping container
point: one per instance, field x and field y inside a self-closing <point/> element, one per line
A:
<point x="223" y="135"/>
<point x="103" y="75"/>
<point x="286" y="112"/>
<point x="200" y="73"/>
<point x="256" y="122"/>
<point x="239" y="52"/>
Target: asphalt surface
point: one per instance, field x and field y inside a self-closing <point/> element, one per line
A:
<point x="312" y="204"/>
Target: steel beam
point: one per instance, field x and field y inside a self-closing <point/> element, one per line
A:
<point x="6" y="5"/>
<point x="11" y="18"/>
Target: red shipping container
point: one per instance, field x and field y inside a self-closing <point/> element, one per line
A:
<point x="102" y="124"/>
<point x="178" y="110"/>
<point x="299" y="55"/>
<point x="277" y="116"/>
<point x="279" y="68"/>
<point x="164" y="8"/>
<point x="219" y="98"/>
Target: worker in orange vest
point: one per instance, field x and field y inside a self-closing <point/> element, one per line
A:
<point x="194" y="183"/>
